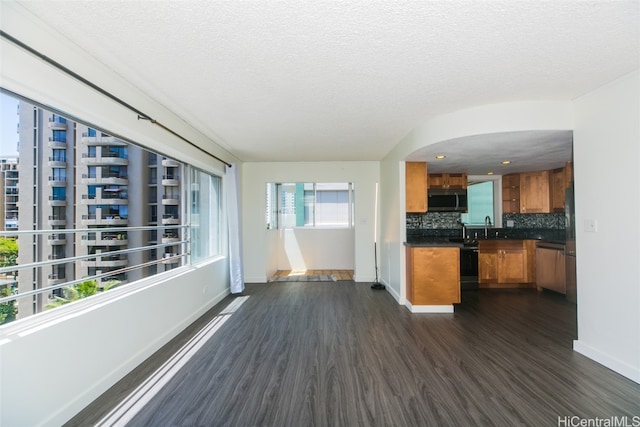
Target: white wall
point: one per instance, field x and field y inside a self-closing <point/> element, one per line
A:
<point x="392" y="228"/>
<point x="495" y="118"/>
<point x="316" y="249"/>
<point x="607" y="180"/>
<point x="53" y="365"/>
<point x="258" y="243"/>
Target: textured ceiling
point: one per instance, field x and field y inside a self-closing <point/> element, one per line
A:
<point x="482" y="154"/>
<point x="295" y="80"/>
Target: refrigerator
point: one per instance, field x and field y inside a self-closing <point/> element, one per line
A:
<point x="570" y="245"/>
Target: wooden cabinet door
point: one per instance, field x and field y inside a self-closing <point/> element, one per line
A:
<point x="437" y="180"/>
<point x="416" y="187"/>
<point x="512" y="266"/>
<point x="506" y="262"/>
<point x="433" y="276"/>
<point x="487" y="267"/>
<point x="568" y="173"/>
<point x="454" y="181"/>
<point x="457" y="180"/>
<point x="557" y="187"/>
<point x="534" y="192"/>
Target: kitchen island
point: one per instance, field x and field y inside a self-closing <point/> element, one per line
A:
<point x="433" y="276"/>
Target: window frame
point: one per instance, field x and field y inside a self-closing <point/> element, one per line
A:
<point x="497" y="196"/>
<point x="305" y="198"/>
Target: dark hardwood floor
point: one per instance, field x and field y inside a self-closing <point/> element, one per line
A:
<point x="341" y="354"/>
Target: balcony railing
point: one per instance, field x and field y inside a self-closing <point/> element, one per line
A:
<point x="170" y="199"/>
<point x="102" y="140"/>
<point x="170" y="219"/>
<point x="110" y="264"/>
<point x="57" y="239"/>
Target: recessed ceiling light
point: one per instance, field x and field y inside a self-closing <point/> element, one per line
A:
<point x="441" y="156"/>
<point x="506" y="162"/>
<point x="489" y="173"/>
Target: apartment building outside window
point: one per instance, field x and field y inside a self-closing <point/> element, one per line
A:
<point x="76" y="221"/>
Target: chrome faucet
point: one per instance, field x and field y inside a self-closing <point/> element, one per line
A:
<point x="487" y="224"/>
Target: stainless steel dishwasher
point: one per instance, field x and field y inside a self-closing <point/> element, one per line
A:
<point x="550" y="266"/>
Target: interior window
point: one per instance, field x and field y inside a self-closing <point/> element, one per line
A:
<point x="480" y="203"/>
<point x="309" y="204"/>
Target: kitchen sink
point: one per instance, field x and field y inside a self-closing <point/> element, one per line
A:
<point x="465" y="242"/>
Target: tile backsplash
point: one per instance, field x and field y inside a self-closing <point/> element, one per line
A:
<point x="451" y="220"/>
<point x="433" y="220"/>
<point x="554" y="221"/>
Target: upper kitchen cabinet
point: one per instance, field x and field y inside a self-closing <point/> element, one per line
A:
<point x="454" y="181"/>
<point x="534" y="192"/>
<point x="511" y="193"/>
<point x="416" y="187"/>
<point x="559" y="180"/>
<point x="556" y="189"/>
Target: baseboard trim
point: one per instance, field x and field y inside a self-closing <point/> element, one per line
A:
<point x="429" y="308"/>
<point x="392" y="291"/>
<point x="624" y="369"/>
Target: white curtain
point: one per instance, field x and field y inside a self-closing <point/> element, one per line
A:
<point x="235" y="234"/>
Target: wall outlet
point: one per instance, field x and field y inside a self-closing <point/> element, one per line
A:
<point x="510" y="223"/>
<point x="590" y="225"/>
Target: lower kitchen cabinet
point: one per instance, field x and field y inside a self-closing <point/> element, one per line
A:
<point x="433" y="275"/>
<point x="506" y="263"/>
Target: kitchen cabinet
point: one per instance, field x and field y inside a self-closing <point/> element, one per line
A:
<point x="557" y="187"/>
<point x="511" y="193"/>
<point x="433" y="275"/>
<point x="416" y="187"/>
<point x="550" y="268"/>
<point x="534" y="192"/>
<point x="559" y="180"/>
<point x="568" y="174"/>
<point x="506" y="263"/>
<point x="454" y="181"/>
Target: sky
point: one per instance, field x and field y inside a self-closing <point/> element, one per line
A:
<point x="8" y="126"/>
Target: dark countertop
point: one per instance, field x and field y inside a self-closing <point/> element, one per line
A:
<point x="434" y="244"/>
<point x="443" y="236"/>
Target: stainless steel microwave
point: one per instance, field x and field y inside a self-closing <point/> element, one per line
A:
<point x="442" y="200"/>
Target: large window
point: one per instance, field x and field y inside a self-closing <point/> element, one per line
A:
<point x="66" y="250"/>
<point x="205" y="215"/>
<point x="480" y="202"/>
<point x="309" y="204"/>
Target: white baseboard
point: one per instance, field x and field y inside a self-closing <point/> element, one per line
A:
<point x="392" y="291"/>
<point x="624" y="369"/>
<point x="429" y="308"/>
